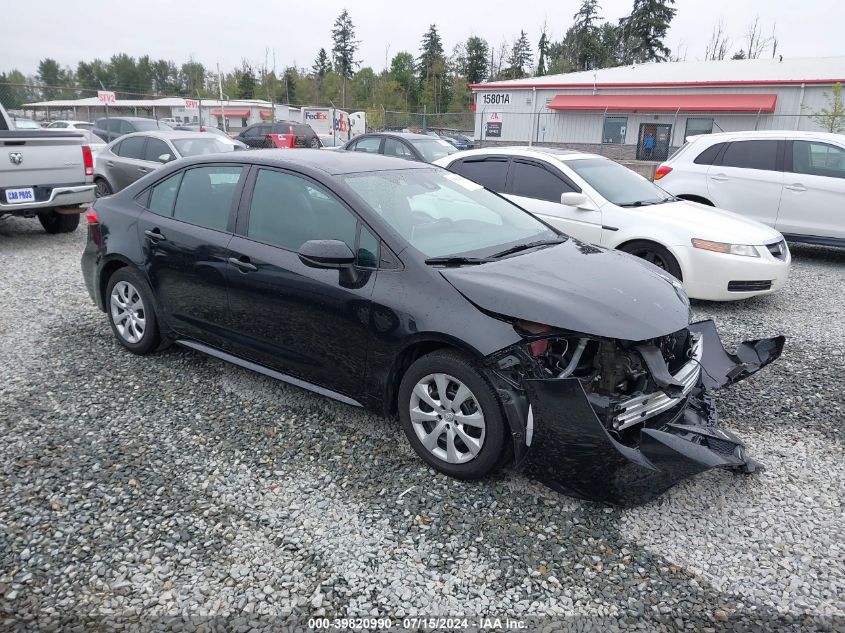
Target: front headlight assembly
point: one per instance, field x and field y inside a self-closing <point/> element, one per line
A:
<point x="745" y="250"/>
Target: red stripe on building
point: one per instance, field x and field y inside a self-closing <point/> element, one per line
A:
<point x="669" y="103"/>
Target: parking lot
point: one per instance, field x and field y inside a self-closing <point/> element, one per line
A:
<point x="176" y="484"/>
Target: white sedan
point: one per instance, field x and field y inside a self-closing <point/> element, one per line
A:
<point x="718" y="255"/>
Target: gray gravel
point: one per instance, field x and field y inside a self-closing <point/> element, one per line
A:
<point x="176" y="485"/>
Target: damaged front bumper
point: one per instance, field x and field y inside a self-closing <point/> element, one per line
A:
<point x="567" y="446"/>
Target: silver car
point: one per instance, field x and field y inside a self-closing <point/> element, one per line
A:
<point x="133" y="156"/>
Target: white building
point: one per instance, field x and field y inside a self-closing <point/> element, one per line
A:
<point x="644" y="111"/>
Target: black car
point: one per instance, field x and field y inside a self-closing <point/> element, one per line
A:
<point x="256" y="134"/>
<point x="419" y="147"/>
<point x="413" y="292"/>
<point x="116" y="126"/>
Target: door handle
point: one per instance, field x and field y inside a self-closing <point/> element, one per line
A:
<point x="796" y="187"/>
<point x="155" y="235"/>
<point x="143" y="170"/>
<point x="243" y="264"/>
<point x="719" y="177"/>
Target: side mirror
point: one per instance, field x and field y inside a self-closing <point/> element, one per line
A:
<point x="326" y="254"/>
<point x="164" y="158"/>
<point x="573" y="199"/>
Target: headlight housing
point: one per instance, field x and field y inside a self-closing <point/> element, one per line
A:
<point x="746" y="250"/>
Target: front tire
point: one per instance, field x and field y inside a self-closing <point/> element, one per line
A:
<point x="655" y="254"/>
<point x="55" y="222"/>
<point x="452" y="416"/>
<point x="131" y="313"/>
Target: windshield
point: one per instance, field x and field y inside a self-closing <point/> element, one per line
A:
<point x="198" y="146"/>
<point x="150" y="124"/>
<point x="433" y="149"/>
<point x="618" y="184"/>
<point x="443" y="214"/>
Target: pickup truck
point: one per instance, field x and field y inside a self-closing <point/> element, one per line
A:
<point x="48" y="174"/>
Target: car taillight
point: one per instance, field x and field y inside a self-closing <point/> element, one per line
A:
<point x="661" y="171"/>
<point x="88" y="160"/>
<point x="91" y="216"/>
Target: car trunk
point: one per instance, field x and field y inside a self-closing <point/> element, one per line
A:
<point x="41" y="160"/>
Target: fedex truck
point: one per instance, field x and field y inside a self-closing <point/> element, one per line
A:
<point x="334" y="126"/>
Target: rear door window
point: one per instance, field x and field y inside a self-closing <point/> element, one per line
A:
<point x="132" y="147"/>
<point x="163" y="195"/>
<point x="156" y="148"/>
<point x="205" y="196"/>
<point x="488" y="172"/>
<point x="369" y="144"/>
<point x="126" y="127"/>
<point x="818" y="159"/>
<point x="395" y="147"/>
<point x="708" y="156"/>
<point x="531" y="180"/>
<point x="114" y="126"/>
<point x="751" y="155"/>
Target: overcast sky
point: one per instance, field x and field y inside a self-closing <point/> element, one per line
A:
<point x="227" y="31"/>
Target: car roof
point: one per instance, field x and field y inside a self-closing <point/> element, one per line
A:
<point x="756" y="134"/>
<point x="166" y="134"/>
<point x="334" y="162"/>
<point x="547" y="153"/>
<point x="128" y="118"/>
<point x="407" y="135"/>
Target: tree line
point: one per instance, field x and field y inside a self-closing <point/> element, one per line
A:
<point x="431" y="79"/>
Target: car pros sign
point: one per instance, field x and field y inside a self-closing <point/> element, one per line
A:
<point x="495" y="98"/>
<point x="106" y="97"/>
<point x="493" y="124"/>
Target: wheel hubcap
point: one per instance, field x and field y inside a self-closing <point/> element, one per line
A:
<point x="127" y="312"/>
<point x="447" y="418"/>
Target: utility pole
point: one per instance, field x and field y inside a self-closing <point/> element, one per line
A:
<point x="220" y="91"/>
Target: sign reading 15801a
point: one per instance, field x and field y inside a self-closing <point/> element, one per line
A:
<point x="496" y="98"/>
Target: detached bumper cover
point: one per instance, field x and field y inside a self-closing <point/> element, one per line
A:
<point x="572" y="452"/>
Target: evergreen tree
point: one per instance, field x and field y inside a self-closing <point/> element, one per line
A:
<point x="246" y="82"/>
<point x="585" y="36"/>
<point x="475" y="63"/>
<point x="288" y="87"/>
<point x="542" y="52"/>
<point x="50" y="74"/>
<point x="322" y="64"/>
<point x="343" y="49"/>
<point x="431" y="52"/>
<point x="643" y="31"/>
<point x="520" y="57"/>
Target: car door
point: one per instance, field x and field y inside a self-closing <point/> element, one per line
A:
<point x="537" y="187"/>
<point x="749" y="179"/>
<point x="186" y="229"/>
<point x="127" y="162"/>
<point x="302" y="321"/>
<point x="253" y="136"/>
<point x="813" y="200"/>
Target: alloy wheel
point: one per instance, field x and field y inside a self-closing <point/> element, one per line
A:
<point x="127" y="312"/>
<point x="447" y="418"/>
<point x="102" y="189"/>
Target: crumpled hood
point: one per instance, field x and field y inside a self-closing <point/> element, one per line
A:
<point x="579" y="287"/>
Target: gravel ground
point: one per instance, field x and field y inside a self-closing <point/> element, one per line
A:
<point x="177" y="485"/>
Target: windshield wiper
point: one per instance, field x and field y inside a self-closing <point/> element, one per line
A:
<point x="456" y="261"/>
<point x="527" y="245"/>
<point x="646" y="203"/>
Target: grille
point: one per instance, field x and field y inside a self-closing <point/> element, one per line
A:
<point x="721" y="446"/>
<point x="749" y="286"/>
<point x="777" y="249"/>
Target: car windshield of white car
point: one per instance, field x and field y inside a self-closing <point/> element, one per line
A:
<point x="442" y="214"/>
<point x="617" y="184"/>
<point x="199" y="146"/>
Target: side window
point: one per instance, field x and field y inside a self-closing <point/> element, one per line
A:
<point x="205" y="196"/>
<point x="751" y="155"/>
<point x="126" y="127"/>
<point x="368" y="245"/>
<point x="114" y="125"/>
<point x="288" y="210"/>
<point x="58" y="124"/>
<point x="818" y="159"/>
<point x="253" y="131"/>
<point x="487" y="172"/>
<point x="132" y="147"/>
<point x="156" y="148"/>
<point x="533" y="181"/>
<point x="614" y="130"/>
<point x="368" y="144"/>
<point x="163" y="195"/>
<point x="708" y="156"/>
<point x="393" y="147"/>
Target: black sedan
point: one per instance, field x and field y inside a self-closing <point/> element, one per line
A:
<point x="416" y="293"/>
<point x="419" y="147"/>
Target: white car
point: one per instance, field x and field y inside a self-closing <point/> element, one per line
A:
<point x="70" y="125"/>
<point x="718" y="255"/>
<point x="793" y="181"/>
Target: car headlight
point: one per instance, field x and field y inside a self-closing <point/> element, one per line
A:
<point x="721" y="247"/>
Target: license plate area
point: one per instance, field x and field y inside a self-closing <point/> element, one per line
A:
<point x="19" y="195"/>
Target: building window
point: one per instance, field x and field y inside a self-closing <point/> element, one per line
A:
<point x="614" y="130"/>
<point x="698" y="126"/>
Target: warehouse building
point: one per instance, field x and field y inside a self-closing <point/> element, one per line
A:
<point x="645" y="111"/>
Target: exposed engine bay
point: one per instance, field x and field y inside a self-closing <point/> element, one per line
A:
<point x="645" y="402"/>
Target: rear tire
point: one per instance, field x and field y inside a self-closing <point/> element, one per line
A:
<point x="463" y="439"/>
<point x="103" y="188"/>
<point x="655" y="254"/>
<point x="55" y="222"/>
<point x="129" y="305"/>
